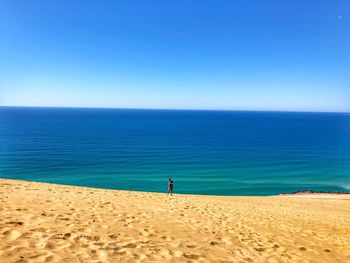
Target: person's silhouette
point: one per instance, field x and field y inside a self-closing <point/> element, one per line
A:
<point x="170" y="186"/>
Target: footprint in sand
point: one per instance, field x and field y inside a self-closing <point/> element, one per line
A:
<point x="50" y="245"/>
<point x="130" y="245"/>
<point x="113" y="236"/>
<point x="191" y="246"/>
<point x="19" y="223"/>
<point x="259" y="249"/>
<point x="191" y="256"/>
<point x="67" y="235"/>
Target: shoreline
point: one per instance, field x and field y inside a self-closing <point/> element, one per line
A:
<point x="43" y="222"/>
<point x="295" y="193"/>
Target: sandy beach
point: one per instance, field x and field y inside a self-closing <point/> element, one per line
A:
<point x="56" y="223"/>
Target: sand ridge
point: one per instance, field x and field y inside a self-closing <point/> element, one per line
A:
<point x="56" y="223"/>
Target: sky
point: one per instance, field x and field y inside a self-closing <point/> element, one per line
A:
<point x="289" y="55"/>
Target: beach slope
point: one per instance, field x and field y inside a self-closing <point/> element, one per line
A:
<point x="55" y="223"/>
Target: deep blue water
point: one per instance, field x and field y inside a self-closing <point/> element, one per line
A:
<point x="205" y="152"/>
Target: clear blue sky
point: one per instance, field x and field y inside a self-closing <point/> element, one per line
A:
<point x="249" y="55"/>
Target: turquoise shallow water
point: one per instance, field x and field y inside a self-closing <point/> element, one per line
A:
<point x="205" y="152"/>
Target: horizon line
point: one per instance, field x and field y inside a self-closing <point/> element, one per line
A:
<point x="170" y="109"/>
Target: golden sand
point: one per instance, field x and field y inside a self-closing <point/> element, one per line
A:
<point x="55" y="223"/>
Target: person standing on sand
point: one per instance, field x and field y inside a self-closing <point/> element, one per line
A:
<point x="170" y="186"/>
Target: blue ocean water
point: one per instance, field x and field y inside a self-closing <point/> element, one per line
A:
<point x="205" y="152"/>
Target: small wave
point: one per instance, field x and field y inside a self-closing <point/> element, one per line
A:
<point x="347" y="187"/>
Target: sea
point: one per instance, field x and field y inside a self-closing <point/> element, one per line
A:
<point x="204" y="152"/>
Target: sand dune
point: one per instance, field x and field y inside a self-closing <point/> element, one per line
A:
<point x="55" y="223"/>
